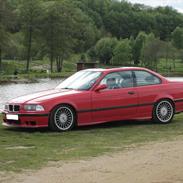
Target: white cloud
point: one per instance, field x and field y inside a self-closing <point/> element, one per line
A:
<point x="177" y="4"/>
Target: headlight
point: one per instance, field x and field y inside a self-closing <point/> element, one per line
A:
<point x="6" y="107"/>
<point x="33" y="107"/>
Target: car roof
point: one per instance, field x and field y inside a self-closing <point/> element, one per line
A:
<point x="116" y="69"/>
<point x="125" y="68"/>
<point x="108" y="70"/>
<point x="95" y="69"/>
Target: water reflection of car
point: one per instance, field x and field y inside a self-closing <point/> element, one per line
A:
<point x="98" y="95"/>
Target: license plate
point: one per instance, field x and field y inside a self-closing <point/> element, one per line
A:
<point x="12" y="116"/>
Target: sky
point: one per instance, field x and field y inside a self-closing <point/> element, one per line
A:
<point x="177" y="4"/>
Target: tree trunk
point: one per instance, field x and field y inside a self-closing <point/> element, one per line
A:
<point x="166" y="57"/>
<point x="174" y="63"/>
<point x="136" y="61"/>
<point x="0" y="59"/>
<point x="51" y="51"/>
<point x="29" y="49"/>
<point x="51" y="62"/>
<point x="59" y="63"/>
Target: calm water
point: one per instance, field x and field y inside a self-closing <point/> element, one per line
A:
<point x="10" y="91"/>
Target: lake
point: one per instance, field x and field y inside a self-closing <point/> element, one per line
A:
<point x="10" y="91"/>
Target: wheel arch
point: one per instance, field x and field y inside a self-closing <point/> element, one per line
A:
<point x="169" y="98"/>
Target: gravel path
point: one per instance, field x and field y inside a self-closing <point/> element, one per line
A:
<point x="160" y="162"/>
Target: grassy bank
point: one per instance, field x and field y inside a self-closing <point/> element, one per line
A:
<point x="170" y="68"/>
<point x="32" y="77"/>
<point x="39" y="68"/>
<point x="26" y="149"/>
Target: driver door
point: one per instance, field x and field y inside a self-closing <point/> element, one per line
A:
<point x="118" y="102"/>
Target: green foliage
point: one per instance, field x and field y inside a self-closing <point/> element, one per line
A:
<point x="122" y="53"/>
<point x="34" y="29"/>
<point x="166" y="20"/>
<point x="151" y="51"/>
<point x="137" y="47"/>
<point x="95" y="9"/>
<point x="177" y="38"/>
<point x="5" y="24"/>
<point x="57" y="31"/>
<point x="85" y="32"/>
<point x="29" y="13"/>
<point x="65" y="30"/>
<point x="104" y="49"/>
<point x="92" y="53"/>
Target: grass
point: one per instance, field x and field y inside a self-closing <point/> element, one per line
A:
<point x="41" y="146"/>
<point x="167" y="68"/>
<point x="38" y="69"/>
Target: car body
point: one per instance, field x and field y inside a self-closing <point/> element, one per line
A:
<point x="98" y="96"/>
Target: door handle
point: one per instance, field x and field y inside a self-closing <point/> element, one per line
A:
<point x="131" y="92"/>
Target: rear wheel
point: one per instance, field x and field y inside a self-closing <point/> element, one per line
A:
<point x="163" y="112"/>
<point x="63" y="118"/>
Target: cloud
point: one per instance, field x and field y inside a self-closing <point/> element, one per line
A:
<point x="177" y="4"/>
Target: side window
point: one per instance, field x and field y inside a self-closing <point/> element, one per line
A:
<point x="115" y="80"/>
<point x="144" y="78"/>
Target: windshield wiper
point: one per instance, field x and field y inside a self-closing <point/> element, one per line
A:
<point x="67" y="88"/>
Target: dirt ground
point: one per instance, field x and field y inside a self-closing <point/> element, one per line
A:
<point x="160" y="162"/>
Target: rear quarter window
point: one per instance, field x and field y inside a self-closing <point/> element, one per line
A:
<point x="144" y="78"/>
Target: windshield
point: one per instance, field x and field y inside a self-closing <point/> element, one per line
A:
<point x="82" y="80"/>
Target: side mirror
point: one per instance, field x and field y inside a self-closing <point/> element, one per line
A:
<point x="101" y="87"/>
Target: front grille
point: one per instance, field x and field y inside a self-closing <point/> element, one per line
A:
<point x="12" y="122"/>
<point x="14" y="108"/>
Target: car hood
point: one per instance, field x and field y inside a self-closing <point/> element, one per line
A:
<point x="42" y="96"/>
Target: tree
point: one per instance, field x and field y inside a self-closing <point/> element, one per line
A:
<point x="166" y="20"/>
<point x="58" y="28"/>
<point x="122" y="53"/>
<point x="92" y="53"/>
<point x="177" y="38"/>
<point x="5" y="24"/>
<point x="95" y="9"/>
<point x="137" y="47"/>
<point x="60" y="31"/>
<point x="85" y="32"/>
<point x="104" y="49"/>
<point x="151" y="51"/>
<point x="181" y="55"/>
<point x="30" y="12"/>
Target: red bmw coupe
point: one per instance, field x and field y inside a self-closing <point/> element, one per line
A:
<point x="96" y="96"/>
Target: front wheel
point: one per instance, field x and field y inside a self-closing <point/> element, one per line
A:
<point x="163" y="112"/>
<point x="62" y="118"/>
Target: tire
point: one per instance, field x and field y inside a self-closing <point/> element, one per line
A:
<point x="163" y="112"/>
<point x="63" y="118"/>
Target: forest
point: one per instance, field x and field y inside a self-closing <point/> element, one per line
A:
<point x="110" y="32"/>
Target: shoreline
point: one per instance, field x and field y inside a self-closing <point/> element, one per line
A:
<point x="31" y="78"/>
<point x="34" y="77"/>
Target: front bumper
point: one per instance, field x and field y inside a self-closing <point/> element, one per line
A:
<point x="26" y="120"/>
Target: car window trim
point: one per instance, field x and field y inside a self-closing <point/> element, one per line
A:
<point x="135" y="80"/>
<point x="102" y="77"/>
